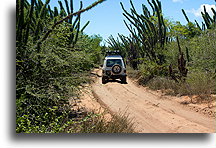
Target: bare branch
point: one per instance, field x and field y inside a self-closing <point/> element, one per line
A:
<point x="66" y="18"/>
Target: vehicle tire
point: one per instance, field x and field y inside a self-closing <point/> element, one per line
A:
<point x="116" y="69"/>
<point x="104" y="80"/>
<point x="124" y="80"/>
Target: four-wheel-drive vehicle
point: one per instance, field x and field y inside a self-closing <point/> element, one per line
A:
<point x="114" y="68"/>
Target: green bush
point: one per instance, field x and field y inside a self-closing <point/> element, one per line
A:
<point x="148" y="70"/>
<point x="164" y="83"/>
<point x="44" y="85"/>
<point x="50" y="73"/>
<point x="46" y="78"/>
<point x="197" y="83"/>
<point x="201" y="52"/>
<point x="134" y="74"/>
<point x="98" y="123"/>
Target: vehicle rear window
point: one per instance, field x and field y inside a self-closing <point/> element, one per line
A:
<point x="111" y="62"/>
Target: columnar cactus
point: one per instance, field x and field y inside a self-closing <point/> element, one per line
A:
<point x="181" y="63"/>
<point x="147" y="29"/>
<point x="209" y="22"/>
<point x="38" y="13"/>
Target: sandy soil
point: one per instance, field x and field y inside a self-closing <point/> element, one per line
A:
<point x="151" y="111"/>
<point x="90" y="103"/>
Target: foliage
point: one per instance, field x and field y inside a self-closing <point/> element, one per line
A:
<point x="148" y="30"/>
<point x="183" y="31"/>
<point x="148" y="35"/>
<point x="201" y="52"/>
<point x="49" y="67"/>
<point x="98" y="123"/>
<point x="149" y="70"/>
<point x="91" y="45"/>
<point x="117" y="45"/>
<point x="198" y="83"/>
<point x="209" y="22"/>
<point x="200" y="65"/>
<point x="168" y="54"/>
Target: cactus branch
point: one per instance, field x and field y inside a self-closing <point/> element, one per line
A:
<point x="66" y="18"/>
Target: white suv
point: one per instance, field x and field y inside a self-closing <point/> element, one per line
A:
<point x="114" y="68"/>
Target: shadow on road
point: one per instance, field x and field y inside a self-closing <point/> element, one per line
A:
<point x="95" y="74"/>
<point x="115" y="80"/>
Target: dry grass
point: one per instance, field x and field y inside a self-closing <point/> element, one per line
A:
<point x="197" y="83"/>
<point x="97" y="123"/>
<point x="200" y="84"/>
<point x="133" y="74"/>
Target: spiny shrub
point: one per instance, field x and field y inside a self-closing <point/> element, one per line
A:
<point x="149" y="70"/>
<point x="49" y="68"/>
<point x="197" y="83"/>
<point x="97" y="123"/>
<point x="163" y="83"/>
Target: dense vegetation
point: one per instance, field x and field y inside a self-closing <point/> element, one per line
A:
<point x="54" y="57"/>
<point x="169" y="55"/>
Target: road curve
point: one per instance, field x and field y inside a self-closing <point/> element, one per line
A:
<point x="150" y="112"/>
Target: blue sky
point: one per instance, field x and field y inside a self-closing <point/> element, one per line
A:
<point x="106" y="19"/>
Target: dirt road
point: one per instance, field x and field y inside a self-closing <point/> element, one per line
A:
<point x="151" y="112"/>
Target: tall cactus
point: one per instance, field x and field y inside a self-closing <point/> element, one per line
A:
<point x="41" y="16"/>
<point x="62" y="10"/>
<point x="75" y="25"/>
<point x="28" y="21"/>
<point x="181" y="63"/>
<point x="65" y="19"/>
<point x="32" y="20"/>
<point x="147" y="29"/>
<point x="185" y="15"/>
<point x="20" y="20"/>
<point x="209" y="22"/>
<point x="75" y="29"/>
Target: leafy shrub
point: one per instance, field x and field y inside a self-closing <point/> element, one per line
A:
<point x="43" y="91"/>
<point x="149" y="70"/>
<point x="53" y="59"/>
<point x="164" y="83"/>
<point x="201" y="52"/>
<point x="197" y="83"/>
<point x="134" y="74"/>
<point x="97" y="123"/>
<point x="46" y="79"/>
<point x="200" y="55"/>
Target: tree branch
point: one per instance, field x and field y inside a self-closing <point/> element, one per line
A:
<point x="64" y="19"/>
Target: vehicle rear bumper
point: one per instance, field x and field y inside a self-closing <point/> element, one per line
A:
<point x="115" y="76"/>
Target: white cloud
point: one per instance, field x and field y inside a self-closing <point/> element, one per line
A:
<point x="175" y="1"/>
<point x="197" y="12"/>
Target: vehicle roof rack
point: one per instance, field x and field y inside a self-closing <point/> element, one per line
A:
<point x="112" y="52"/>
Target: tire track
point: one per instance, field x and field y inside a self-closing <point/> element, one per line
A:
<point x="151" y="114"/>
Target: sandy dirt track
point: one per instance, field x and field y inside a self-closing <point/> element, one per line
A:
<point x="150" y="112"/>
